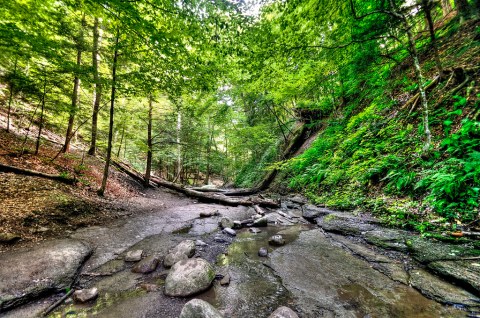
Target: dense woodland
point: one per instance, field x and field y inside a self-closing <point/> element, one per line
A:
<point x="385" y="93"/>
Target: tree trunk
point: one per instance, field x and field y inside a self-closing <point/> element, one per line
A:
<point x="97" y="88"/>
<point x="102" y="189"/>
<point x="76" y="85"/>
<point x="10" y="96"/>
<point x="40" y="126"/>
<point x="179" y="145"/>
<point x="427" y="9"/>
<point x="148" y="169"/>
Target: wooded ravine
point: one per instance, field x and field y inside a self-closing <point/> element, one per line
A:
<point x="368" y="107"/>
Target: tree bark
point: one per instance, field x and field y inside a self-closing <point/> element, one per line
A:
<point x="179" y="145"/>
<point x="10" y="96"/>
<point x="102" y="189"/>
<point x="76" y="85"/>
<point x="427" y="9"/>
<point x="148" y="169"/>
<point x="97" y="88"/>
<point x="40" y="126"/>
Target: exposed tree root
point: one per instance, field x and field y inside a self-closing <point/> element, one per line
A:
<point x="28" y="172"/>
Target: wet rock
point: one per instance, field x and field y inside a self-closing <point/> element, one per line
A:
<point x="310" y="212"/>
<point x="237" y="225"/>
<point x="246" y="222"/>
<point x="439" y="290"/>
<point x="9" y="238"/>
<point x="425" y="250"/>
<point x="200" y="243"/>
<point x="229" y="231"/>
<point x="254" y="230"/>
<point x="466" y="271"/>
<point x="225" y="280"/>
<point x="133" y="256"/>
<point x="49" y="266"/>
<point x="197" y="308"/>
<point x="283" y="312"/>
<point x="182" y="251"/>
<point x="260" y="222"/>
<point x="189" y="277"/>
<point x="147" y="265"/>
<point x="345" y="224"/>
<point x="84" y="295"/>
<point x="206" y="214"/>
<point x="225" y="222"/>
<point x="263" y="252"/>
<point x="388" y="238"/>
<point x="276" y="240"/>
<point x="219" y="239"/>
<point x="203" y="226"/>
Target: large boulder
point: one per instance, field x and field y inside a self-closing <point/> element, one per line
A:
<point x="283" y="312"/>
<point x="49" y="267"/>
<point x="189" y="277"/>
<point x="183" y="250"/>
<point x="197" y="308"/>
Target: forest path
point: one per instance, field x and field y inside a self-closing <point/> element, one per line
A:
<point x="314" y="273"/>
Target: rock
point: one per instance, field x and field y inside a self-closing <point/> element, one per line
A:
<point x="388" y="238"/>
<point x="173" y="258"/>
<point x="147" y="265"/>
<point x="186" y="247"/>
<point x="200" y="243"/>
<point x="84" y="295"/>
<point x="225" y="222"/>
<point x="260" y="222"/>
<point x="439" y="290"/>
<point x="9" y="238"/>
<point x="426" y="251"/>
<point x="133" y="256"/>
<point x="203" y="226"/>
<point x="344" y="223"/>
<point x="466" y="271"/>
<point x="189" y="277"/>
<point x="237" y="225"/>
<point x="206" y="214"/>
<point x="256" y="216"/>
<point x="229" y="231"/>
<point x="311" y="212"/>
<point x="254" y="230"/>
<point x="283" y="312"/>
<point x="276" y="240"/>
<point x="225" y="280"/>
<point x="263" y="252"/>
<point x="298" y="199"/>
<point x="219" y="239"/>
<point x="197" y="308"/>
<point x="48" y="267"/>
<point x="148" y="287"/>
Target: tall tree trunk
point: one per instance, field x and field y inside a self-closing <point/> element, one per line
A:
<point x="446" y="7"/>
<point x="76" y="86"/>
<point x="148" y="169"/>
<point x="179" y="145"/>
<point x="463" y="9"/>
<point x="40" y="126"/>
<point x="427" y="9"/>
<point x="10" y="96"/>
<point x="97" y="88"/>
<point x="102" y="189"/>
<point x="121" y="142"/>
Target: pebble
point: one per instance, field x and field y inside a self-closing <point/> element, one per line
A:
<point x="254" y="230"/>
<point x="229" y="231"/>
<point x="225" y="280"/>
<point x="219" y="239"/>
<point x="276" y="240"/>
<point x="200" y="243"/>
<point x="263" y="252"/>
<point x="84" y="295"/>
<point x="133" y="256"/>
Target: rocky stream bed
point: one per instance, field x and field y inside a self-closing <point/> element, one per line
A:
<point x="317" y="262"/>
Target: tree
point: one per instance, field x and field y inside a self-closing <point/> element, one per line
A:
<point x="98" y="86"/>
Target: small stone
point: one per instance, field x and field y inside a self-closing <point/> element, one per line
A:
<point x="9" y="238"/>
<point x="206" y="214"/>
<point x="225" y="280"/>
<point x="263" y="252"/>
<point x="225" y="222"/>
<point x="229" y="231"/>
<point x="200" y="243"/>
<point x="261" y="222"/>
<point x="133" y="256"/>
<point x="237" y="225"/>
<point x="283" y="312"/>
<point x="146" y="265"/>
<point x="254" y="230"/>
<point x="84" y="295"/>
<point x="276" y="240"/>
<point x="68" y="301"/>
<point x="219" y="239"/>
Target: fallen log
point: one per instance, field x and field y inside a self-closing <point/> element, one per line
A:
<point x="259" y="210"/>
<point x="28" y="172"/>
